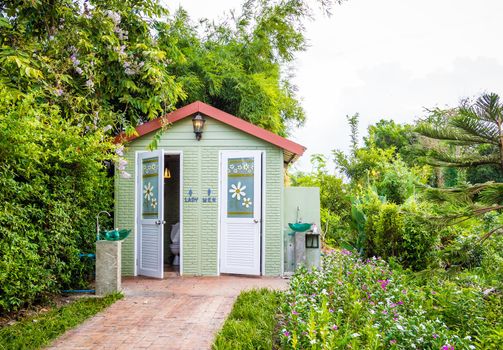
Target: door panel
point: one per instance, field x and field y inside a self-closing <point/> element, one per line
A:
<point x="150" y="216"/>
<point x="241" y="212"/>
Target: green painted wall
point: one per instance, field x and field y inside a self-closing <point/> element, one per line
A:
<point x="200" y="172"/>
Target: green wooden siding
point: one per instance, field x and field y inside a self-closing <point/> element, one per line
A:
<point x="200" y="172"/>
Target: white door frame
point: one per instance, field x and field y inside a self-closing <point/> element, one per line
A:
<point x="263" y="206"/>
<point x="136" y="217"/>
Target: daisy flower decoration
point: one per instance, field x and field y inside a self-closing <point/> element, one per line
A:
<point x="238" y="191"/>
<point x="247" y="202"/>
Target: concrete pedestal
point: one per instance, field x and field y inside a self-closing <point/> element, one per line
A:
<point x="300" y="248"/>
<point x="108" y="267"/>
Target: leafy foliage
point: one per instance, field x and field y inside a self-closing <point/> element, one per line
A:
<point x="251" y="323"/>
<point x="364" y="304"/>
<point x="386" y="134"/>
<point x="469" y="127"/>
<point x="53" y="183"/>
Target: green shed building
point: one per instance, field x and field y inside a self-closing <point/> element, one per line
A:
<point x="208" y="200"/>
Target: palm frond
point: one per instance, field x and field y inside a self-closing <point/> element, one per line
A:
<point x="488" y="107"/>
<point x="492" y="194"/>
<point x="443" y="157"/>
<point x="449" y="133"/>
<point x="476" y="128"/>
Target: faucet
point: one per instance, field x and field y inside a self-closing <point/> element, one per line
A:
<point x="299" y="219"/>
<point x="98" y="223"/>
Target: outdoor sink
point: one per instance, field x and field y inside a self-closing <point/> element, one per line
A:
<point x="300" y="226"/>
<point x="115" y="235"/>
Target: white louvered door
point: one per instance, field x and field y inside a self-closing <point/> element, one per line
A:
<point x="150" y="214"/>
<point x="240" y="212"/>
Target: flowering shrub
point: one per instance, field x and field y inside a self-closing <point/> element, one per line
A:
<point x="361" y="304"/>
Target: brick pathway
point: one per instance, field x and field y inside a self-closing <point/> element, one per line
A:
<point x="174" y="313"/>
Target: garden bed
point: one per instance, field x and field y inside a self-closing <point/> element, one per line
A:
<point x="41" y="326"/>
<point x="364" y="304"/>
<point x="251" y="323"/>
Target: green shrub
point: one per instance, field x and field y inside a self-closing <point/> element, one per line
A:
<point x="251" y="323"/>
<point x="52" y="184"/>
<point x="388" y="230"/>
<point x="396" y="181"/>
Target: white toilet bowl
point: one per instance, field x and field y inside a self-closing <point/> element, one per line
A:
<point x="175" y="243"/>
<point x="175" y="250"/>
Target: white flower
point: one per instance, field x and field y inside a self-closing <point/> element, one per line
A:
<point x="148" y="191"/>
<point x="153" y="203"/>
<point x="247" y="202"/>
<point x="399" y="326"/>
<point x="237" y="191"/>
<point x="125" y="175"/>
<point x="106" y="128"/>
<point x="89" y="84"/>
<point x="354" y="335"/>
<point x="114" y="16"/>
<point x="120" y="150"/>
<point x="122" y="164"/>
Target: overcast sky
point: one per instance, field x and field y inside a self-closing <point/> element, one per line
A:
<point x="387" y="59"/>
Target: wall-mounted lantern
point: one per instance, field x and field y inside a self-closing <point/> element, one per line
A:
<point x="312" y="240"/>
<point x="198" y="124"/>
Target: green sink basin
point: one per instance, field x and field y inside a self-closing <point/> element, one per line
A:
<point x="115" y="235"/>
<point x="300" y="226"/>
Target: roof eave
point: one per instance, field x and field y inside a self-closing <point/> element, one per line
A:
<point x="217" y="114"/>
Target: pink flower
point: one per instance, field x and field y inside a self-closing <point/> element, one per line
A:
<point x="392" y="341"/>
<point x="447" y="347"/>
<point x="383" y="283"/>
<point x="435" y="336"/>
<point x="294" y="312"/>
<point x="334" y="327"/>
<point x="286" y="333"/>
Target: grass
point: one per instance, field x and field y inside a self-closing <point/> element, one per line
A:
<point x="39" y="330"/>
<point x="251" y="323"/>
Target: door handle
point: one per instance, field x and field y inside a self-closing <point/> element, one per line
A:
<point x="159" y="222"/>
<point x="255" y="221"/>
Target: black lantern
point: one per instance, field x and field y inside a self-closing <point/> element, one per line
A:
<point x="312" y="240"/>
<point x="198" y="124"/>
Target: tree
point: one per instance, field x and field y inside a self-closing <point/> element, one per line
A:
<point x="475" y="130"/>
<point x="387" y="134"/>
<point x="469" y="127"/>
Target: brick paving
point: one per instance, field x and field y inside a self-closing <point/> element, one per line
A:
<point x="174" y="313"/>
